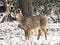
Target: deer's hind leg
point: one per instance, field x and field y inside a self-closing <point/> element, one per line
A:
<point x="45" y="32"/>
<point x="39" y="33"/>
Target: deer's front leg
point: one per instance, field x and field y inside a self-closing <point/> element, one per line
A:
<point x="27" y="35"/>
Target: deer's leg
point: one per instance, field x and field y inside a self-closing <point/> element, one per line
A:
<point x="27" y="35"/>
<point x="39" y="33"/>
<point x="45" y="32"/>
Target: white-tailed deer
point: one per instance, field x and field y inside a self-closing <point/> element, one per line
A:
<point x="29" y="23"/>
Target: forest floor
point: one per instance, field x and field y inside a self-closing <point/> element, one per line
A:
<point x="10" y="34"/>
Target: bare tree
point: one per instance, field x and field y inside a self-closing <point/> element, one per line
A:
<point x="7" y="6"/>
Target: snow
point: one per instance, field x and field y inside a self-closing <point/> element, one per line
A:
<point x="12" y="35"/>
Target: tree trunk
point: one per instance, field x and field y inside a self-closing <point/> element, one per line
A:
<point x="26" y="7"/>
<point x="7" y="7"/>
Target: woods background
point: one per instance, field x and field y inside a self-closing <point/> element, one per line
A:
<point x="49" y="8"/>
<point x="10" y="34"/>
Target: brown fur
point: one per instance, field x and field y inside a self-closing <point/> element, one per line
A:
<point x="29" y="23"/>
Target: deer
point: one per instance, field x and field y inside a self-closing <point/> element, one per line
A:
<point x="31" y="23"/>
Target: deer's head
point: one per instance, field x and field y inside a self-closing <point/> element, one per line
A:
<point x="19" y="16"/>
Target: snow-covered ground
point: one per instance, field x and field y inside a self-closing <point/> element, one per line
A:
<point x="10" y="34"/>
